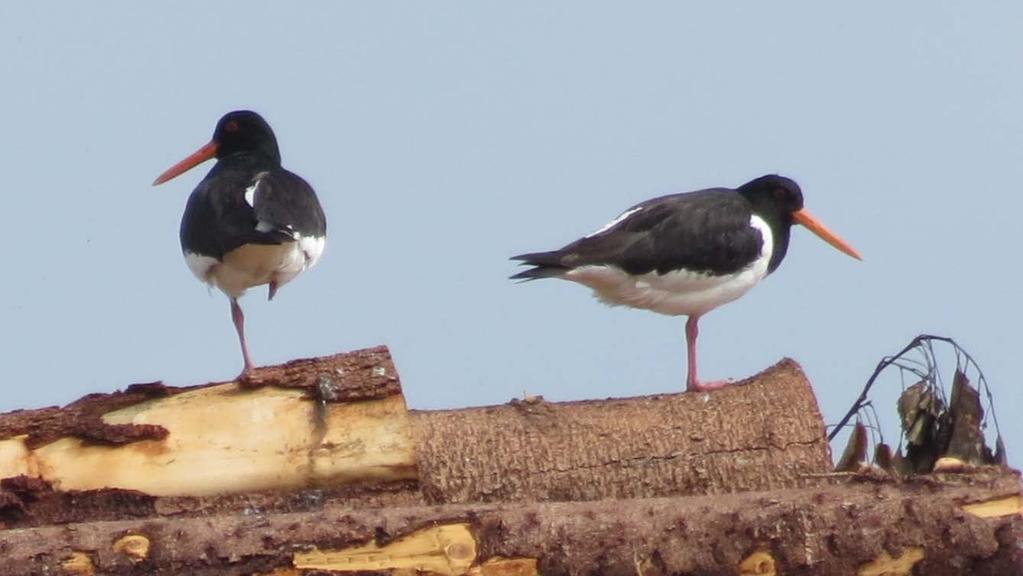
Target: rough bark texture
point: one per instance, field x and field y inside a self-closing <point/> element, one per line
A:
<point x="316" y="467"/>
<point x="759" y="434"/>
<point x="280" y="441"/>
<point x="941" y="525"/>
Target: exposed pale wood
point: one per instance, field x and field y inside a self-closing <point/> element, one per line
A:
<point x="759" y="563"/>
<point x="133" y="546"/>
<point x="218" y="445"/>
<point x="222" y="439"/>
<point x="1006" y="506"/>
<point x="862" y="526"/>
<point x="349" y="425"/>
<point x="759" y="434"/>
<point x="316" y="467"/>
<point x="445" y="550"/>
<point x="887" y="565"/>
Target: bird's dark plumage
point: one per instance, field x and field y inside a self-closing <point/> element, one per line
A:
<point x="283" y="205"/>
<point x="685" y="254"/>
<point x="249" y="221"/>
<point x="706" y="231"/>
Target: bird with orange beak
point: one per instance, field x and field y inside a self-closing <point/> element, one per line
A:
<point x="249" y="222"/>
<point x="686" y="254"/>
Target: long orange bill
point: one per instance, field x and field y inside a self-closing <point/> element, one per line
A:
<point x="199" y="156"/>
<point x="814" y="225"/>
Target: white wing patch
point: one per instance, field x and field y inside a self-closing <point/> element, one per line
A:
<point x="615" y="222"/>
<point x="250" y="192"/>
<point x="250" y="195"/>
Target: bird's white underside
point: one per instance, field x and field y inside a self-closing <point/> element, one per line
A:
<point x="682" y="293"/>
<point x="256" y="264"/>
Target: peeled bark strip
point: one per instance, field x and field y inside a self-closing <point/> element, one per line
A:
<point x="935" y="525"/>
<point x="760" y="434"/>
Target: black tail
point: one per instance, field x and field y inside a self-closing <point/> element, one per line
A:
<point x="545" y="265"/>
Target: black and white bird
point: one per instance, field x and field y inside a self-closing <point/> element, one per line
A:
<point x="686" y="254"/>
<point x="249" y="222"/>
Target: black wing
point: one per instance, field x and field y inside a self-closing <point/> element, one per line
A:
<point x="705" y="231"/>
<point x="219" y="216"/>
<point x="286" y="203"/>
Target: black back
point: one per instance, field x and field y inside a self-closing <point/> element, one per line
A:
<point x="218" y="218"/>
<point x="704" y="231"/>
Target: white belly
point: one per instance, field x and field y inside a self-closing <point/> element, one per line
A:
<point x="675" y="293"/>
<point x="256" y="264"/>
<point x="681" y="293"/>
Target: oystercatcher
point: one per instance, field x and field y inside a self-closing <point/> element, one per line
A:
<point x="686" y="254"/>
<point x="249" y="221"/>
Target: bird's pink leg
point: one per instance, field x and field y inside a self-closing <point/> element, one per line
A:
<point x="693" y="383"/>
<point x="239" y="326"/>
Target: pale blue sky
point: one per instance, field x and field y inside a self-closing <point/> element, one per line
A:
<point x="445" y="137"/>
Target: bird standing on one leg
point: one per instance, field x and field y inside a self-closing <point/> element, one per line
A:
<point x="250" y="221"/>
<point x="686" y="254"/>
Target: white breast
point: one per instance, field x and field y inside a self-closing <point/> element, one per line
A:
<point x="256" y="264"/>
<point x="679" y="293"/>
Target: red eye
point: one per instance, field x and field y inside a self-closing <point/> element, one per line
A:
<point x="231" y="126"/>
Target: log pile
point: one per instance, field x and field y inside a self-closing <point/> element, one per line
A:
<point x="317" y="467"/>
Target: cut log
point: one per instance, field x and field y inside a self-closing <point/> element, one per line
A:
<point x="317" y="467"/>
<point x="309" y="423"/>
<point x="337" y="427"/>
<point x="763" y="433"/>
<point x="940" y="525"/>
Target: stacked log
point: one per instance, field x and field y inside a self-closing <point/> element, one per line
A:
<point x="317" y="466"/>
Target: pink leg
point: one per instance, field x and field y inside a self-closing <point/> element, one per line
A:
<point x="693" y="383"/>
<point x="239" y="326"/>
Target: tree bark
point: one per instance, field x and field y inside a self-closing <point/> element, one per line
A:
<point x="337" y="426"/>
<point x="317" y="467"/>
<point x="759" y="434"/>
<point x="944" y="525"/>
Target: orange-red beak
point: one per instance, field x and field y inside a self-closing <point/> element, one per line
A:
<point x="814" y="225"/>
<point x="199" y="156"/>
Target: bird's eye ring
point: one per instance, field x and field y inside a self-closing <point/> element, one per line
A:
<point x="231" y="126"/>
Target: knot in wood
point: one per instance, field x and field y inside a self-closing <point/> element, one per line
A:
<point x="759" y="563"/>
<point x="135" y="547"/>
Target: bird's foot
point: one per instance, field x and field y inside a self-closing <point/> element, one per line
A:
<point x="707" y="386"/>
<point x="245" y="379"/>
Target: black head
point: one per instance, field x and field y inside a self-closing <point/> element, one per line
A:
<point x="245" y="131"/>
<point x="779" y="201"/>
<point x="238" y="132"/>
<point x="773" y="195"/>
